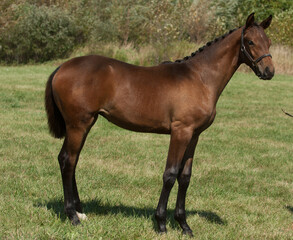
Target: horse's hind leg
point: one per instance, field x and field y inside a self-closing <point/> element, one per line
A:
<point x="68" y="158"/>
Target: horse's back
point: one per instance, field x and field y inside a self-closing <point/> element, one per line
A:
<point x="129" y="96"/>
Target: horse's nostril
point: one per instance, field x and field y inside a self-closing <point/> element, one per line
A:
<point x="268" y="74"/>
<point x="267" y="71"/>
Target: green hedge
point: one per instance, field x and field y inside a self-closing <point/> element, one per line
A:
<point x="38" y="34"/>
<point x="38" y="31"/>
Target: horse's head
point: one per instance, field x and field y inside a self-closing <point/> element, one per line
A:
<point x="255" y="47"/>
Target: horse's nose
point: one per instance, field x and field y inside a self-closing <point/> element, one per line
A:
<point x="268" y="74"/>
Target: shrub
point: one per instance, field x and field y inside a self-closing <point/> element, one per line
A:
<point x="281" y="30"/>
<point x="37" y="34"/>
<point x="134" y="21"/>
<point x="232" y="13"/>
<point x="43" y="30"/>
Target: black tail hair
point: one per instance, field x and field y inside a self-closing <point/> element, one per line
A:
<point x="55" y="119"/>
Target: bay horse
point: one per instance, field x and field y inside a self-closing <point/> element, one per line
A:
<point x="177" y="98"/>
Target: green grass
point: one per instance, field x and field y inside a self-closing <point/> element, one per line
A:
<point x="242" y="181"/>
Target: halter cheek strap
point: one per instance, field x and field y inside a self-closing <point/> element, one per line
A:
<point x="243" y="49"/>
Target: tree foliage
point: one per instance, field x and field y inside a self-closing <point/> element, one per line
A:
<point x="230" y="13"/>
<point x="39" y="30"/>
<point x="37" y="34"/>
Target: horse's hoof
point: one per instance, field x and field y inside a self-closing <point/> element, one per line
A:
<point x="162" y="228"/>
<point x="188" y="233"/>
<point x="162" y="231"/>
<point x="75" y="221"/>
<point x="81" y="216"/>
<point x="161" y="221"/>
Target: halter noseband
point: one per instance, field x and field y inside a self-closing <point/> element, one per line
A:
<point x="243" y="49"/>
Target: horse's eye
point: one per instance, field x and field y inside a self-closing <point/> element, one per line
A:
<point x="250" y="43"/>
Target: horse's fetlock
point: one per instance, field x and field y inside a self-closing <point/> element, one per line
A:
<point x="77" y="205"/>
<point x="180" y="216"/>
<point x="161" y="221"/>
<point x="160" y="215"/>
<point x="70" y="210"/>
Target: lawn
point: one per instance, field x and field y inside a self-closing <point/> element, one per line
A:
<point x="241" y="188"/>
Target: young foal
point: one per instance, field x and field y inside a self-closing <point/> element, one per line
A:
<point x="173" y="98"/>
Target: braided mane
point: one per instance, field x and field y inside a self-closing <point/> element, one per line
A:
<point x="202" y="48"/>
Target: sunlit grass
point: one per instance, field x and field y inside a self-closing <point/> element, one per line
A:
<point x="242" y="181"/>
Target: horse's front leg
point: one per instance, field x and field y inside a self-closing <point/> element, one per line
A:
<point x="180" y="138"/>
<point x="183" y="182"/>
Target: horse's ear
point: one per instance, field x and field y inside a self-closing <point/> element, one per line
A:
<point x="250" y="20"/>
<point x="267" y="22"/>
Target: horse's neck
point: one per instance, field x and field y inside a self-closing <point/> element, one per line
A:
<point x="220" y="63"/>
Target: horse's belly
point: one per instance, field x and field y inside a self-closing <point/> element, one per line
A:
<point x="136" y="122"/>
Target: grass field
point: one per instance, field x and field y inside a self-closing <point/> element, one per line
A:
<point x="241" y="188"/>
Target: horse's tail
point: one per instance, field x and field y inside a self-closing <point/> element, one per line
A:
<point x="55" y="120"/>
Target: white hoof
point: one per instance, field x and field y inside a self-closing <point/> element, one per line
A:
<point x="81" y="216"/>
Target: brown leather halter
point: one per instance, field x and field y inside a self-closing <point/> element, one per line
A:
<point x="247" y="54"/>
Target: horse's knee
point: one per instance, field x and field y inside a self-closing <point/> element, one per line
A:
<point x="169" y="177"/>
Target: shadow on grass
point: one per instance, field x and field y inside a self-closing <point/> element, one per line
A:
<point x="99" y="208"/>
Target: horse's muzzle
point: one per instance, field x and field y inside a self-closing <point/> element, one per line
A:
<point x="267" y="74"/>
